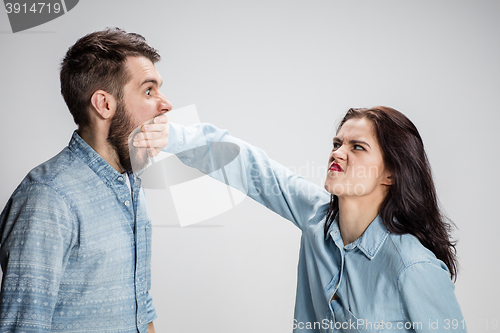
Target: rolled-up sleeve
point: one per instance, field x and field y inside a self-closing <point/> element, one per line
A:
<point x="150" y="308"/>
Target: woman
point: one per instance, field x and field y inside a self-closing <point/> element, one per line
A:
<point x="376" y="253"/>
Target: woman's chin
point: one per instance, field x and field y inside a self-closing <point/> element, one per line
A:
<point x="333" y="188"/>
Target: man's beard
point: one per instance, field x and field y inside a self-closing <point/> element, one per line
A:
<point x="120" y="139"/>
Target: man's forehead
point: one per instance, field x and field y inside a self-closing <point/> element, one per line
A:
<point x="142" y="71"/>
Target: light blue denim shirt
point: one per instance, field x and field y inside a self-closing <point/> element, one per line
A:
<point x="384" y="282"/>
<point x="75" y="249"/>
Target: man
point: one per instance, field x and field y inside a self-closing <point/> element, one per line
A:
<point x="75" y="237"/>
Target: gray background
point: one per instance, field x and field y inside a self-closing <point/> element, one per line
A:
<point x="280" y="74"/>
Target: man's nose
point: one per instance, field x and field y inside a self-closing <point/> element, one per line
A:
<point x="164" y="106"/>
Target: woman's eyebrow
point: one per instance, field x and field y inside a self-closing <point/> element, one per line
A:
<point x="355" y="142"/>
<point x="352" y="142"/>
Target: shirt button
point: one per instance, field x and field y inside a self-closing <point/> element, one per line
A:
<point x="126" y="203"/>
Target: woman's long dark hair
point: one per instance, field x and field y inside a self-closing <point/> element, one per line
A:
<point x="411" y="205"/>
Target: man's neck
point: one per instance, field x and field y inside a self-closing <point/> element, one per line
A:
<point x="100" y="144"/>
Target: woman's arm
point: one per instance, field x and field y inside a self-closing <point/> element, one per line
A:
<point x="215" y="152"/>
<point x="428" y="299"/>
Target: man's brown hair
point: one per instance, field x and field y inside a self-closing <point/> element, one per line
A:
<point x="97" y="61"/>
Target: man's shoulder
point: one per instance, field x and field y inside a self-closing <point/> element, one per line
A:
<point x="59" y="172"/>
<point x="46" y="189"/>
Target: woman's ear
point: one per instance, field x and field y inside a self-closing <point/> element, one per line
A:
<point x="387" y="180"/>
<point x="104" y="104"/>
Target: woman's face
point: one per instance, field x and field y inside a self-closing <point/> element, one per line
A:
<point x="356" y="166"/>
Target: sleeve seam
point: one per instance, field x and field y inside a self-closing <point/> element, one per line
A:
<point x="56" y="191"/>
<point x="399" y="285"/>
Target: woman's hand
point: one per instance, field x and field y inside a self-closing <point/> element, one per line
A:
<point x="153" y="135"/>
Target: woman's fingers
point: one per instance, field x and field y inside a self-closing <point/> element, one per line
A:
<point x="149" y="135"/>
<point x="153" y="135"/>
<point x="161" y="119"/>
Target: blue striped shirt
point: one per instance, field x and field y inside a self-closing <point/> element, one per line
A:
<point x="76" y="249"/>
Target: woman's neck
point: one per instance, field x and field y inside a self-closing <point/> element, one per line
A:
<point x="355" y="215"/>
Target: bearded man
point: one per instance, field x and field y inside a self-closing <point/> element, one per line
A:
<point x="75" y="236"/>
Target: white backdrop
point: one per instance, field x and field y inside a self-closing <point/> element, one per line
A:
<point x="280" y="74"/>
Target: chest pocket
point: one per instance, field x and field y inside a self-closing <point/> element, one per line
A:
<point x="347" y="322"/>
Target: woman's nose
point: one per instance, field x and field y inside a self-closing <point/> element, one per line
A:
<point x="339" y="154"/>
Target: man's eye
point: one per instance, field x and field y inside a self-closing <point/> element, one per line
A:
<point x="358" y="147"/>
<point x="336" y="145"/>
<point x="148" y="92"/>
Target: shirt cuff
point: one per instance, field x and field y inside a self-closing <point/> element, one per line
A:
<point x="150" y="309"/>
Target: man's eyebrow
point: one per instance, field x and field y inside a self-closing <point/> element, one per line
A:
<point x="153" y="81"/>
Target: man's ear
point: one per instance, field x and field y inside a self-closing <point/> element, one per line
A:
<point x="104" y="103"/>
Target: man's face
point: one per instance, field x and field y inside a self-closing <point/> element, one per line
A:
<point x="141" y="95"/>
<point x="142" y="101"/>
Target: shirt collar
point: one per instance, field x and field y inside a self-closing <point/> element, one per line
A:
<point x="369" y="242"/>
<point x="94" y="161"/>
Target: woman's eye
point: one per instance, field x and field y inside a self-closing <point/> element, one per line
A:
<point x="336" y="145"/>
<point x="358" y="147"/>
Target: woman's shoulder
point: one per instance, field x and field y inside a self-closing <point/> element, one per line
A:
<point x="316" y="224"/>
<point x="410" y="251"/>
